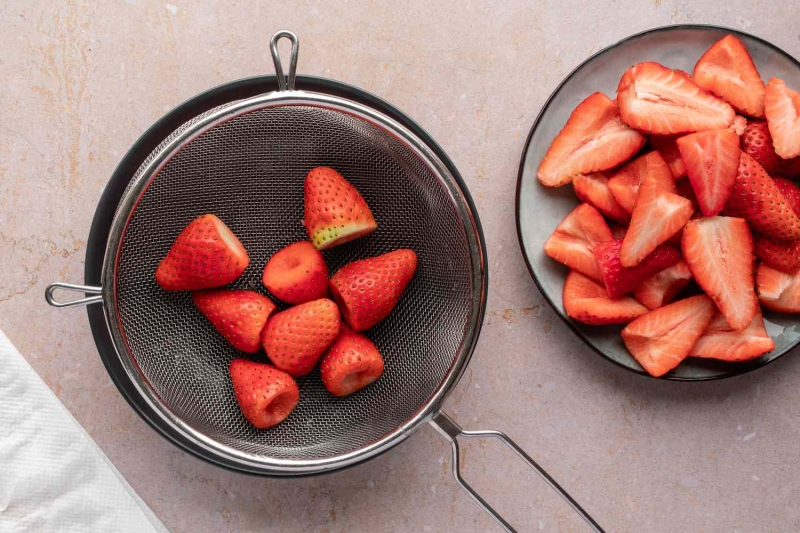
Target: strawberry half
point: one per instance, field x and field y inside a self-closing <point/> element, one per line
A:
<point x="655" y="99"/>
<point x="297" y="274"/>
<point x="719" y="252"/>
<point x="593" y="189"/>
<point x="728" y="71"/>
<point x="368" y="290"/>
<point x="778" y="290"/>
<point x="593" y="139"/>
<point x="239" y="316"/>
<point x="782" y="107"/>
<point x="782" y="255"/>
<point x="720" y="341"/>
<point x="666" y="146"/>
<point x="585" y="300"/>
<point x="757" y="142"/>
<point x="712" y="160"/>
<point x="620" y="280"/>
<point x="757" y="199"/>
<point x="265" y="395"/>
<point x="335" y="212"/>
<point x="295" y="339"/>
<point x="350" y="364"/>
<point x="790" y="191"/>
<point x="663" y="338"/>
<point x="205" y="254"/>
<point x="574" y="239"/>
<point x="662" y="288"/>
<point x="624" y="184"/>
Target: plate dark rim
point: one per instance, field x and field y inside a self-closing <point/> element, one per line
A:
<point x="735" y="371"/>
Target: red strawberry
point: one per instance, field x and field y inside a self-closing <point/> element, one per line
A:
<point x="686" y="190"/>
<point x="719" y="252"/>
<point x="655" y="99"/>
<point x="778" y="290"/>
<point x="758" y="200"/>
<point x="662" y="288"/>
<point x="782" y="107"/>
<point x="625" y="183"/>
<point x="790" y="191"/>
<point x="351" y="363"/>
<point x="712" y="159"/>
<point x="335" y="212"/>
<point x="663" y="338"/>
<point x="620" y="280"/>
<point x="238" y="315"/>
<point x="593" y="189"/>
<point x="367" y="290"/>
<point x="720" y="341"/>
<point x="738" y="125"/>
<point x="587" y="301"/>
<point x="757" y="142"/>
<point x="265" y="395"/>
<point x="728" y="71"/>
<point x="205" y="254"/>
<point x="782" y="255"/>
<point x="297" y="274"/>
<point x="295" y="339"/>
<point x="657" y="216"/>
<point x="665" y="144"/>
<point x="574" y="239"/>
<point x="593" y="139"/>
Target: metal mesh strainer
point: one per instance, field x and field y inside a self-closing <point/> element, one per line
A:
<point x="245" y="161"/>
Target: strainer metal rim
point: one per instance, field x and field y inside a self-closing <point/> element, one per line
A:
<point x="127" y="206"/>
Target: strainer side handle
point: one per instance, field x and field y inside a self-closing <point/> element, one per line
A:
<point x="95" y="292"/>
<point x="451" y="431"/>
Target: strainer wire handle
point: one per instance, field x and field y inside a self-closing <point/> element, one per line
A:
<point x="452" y="431"/>
<point x="95" y="292"/>
<point x="283" y="84"/>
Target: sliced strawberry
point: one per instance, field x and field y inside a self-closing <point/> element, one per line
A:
<point x="593" y="139"/>
<point x="662" y="288"/>
<point x="239" y="316"/>
<point x="295" y="339"/>
<point x="620" y="280"/>
<point x="757" y="199"/>
<point x="657" y="216"/>
<point x="757" y="142"/>
<point x="738" y="125"/>
<point x="790" y="191"/>
<point x="585" y="300"/>
<point x="574" y="239"/>
<point x="297" y="274"/>
<point x="720" y="341"/>
<point x="205" y="254"/>
<point x="655" y="99"/>
<point x="265" y="394"/>
<point x="369" y="289"/>
<point x="624" y="184"/>
<point x="686" y="190"/>
<point x="666" y="146"/>
<point x="712" y="159"/>
<point x="663" y="338"/>
<point x="782" y="255"/>
<point x="350" y="364"/>
<point x="719" y="252"/>
<point x="593" y="189"/>
<point x="334" y="210"/>
<point x="728" y="71"/>
<point x="618" y="232"/>
<point x="783" y="117"/>
<point x="778" y="290"/>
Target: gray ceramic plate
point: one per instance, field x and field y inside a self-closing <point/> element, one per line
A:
<point x="540" y="209"/>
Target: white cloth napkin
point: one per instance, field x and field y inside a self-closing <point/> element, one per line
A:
<point x="53" y="477"/>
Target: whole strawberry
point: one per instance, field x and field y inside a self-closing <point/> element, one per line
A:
<point x="335" y="212"/>
<point x="205" y="254"/>
<point x="368" y="290"/>
<point x="351" y="363"/>
<point x="265" y="395"/>
<point x="297" y="274"/>
<point x="238" y="315"/>
<point x="296" y="338"/>
<point x="757" y="142"/>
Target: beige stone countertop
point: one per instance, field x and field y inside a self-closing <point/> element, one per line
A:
<point x="82" y="81"/>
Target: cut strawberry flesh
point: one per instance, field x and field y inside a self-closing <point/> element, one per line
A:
<point x="587" y="301"/>
<point x="782" y="106"/>
<point x="575" y="238"/>
<point x="666" y="146"/>
<point x="593" y="189"/>
<point x="711" y="159"/>
<point x="778" y="290"/>
<point x="721" y="341"/>
<point x="719" y="252"/>
<point x="624" y="184"/>
<point x="620" y="280"/>
<point x="662" y="288"/>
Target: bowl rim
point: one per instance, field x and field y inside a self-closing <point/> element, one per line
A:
<point x="570" y="323"/>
